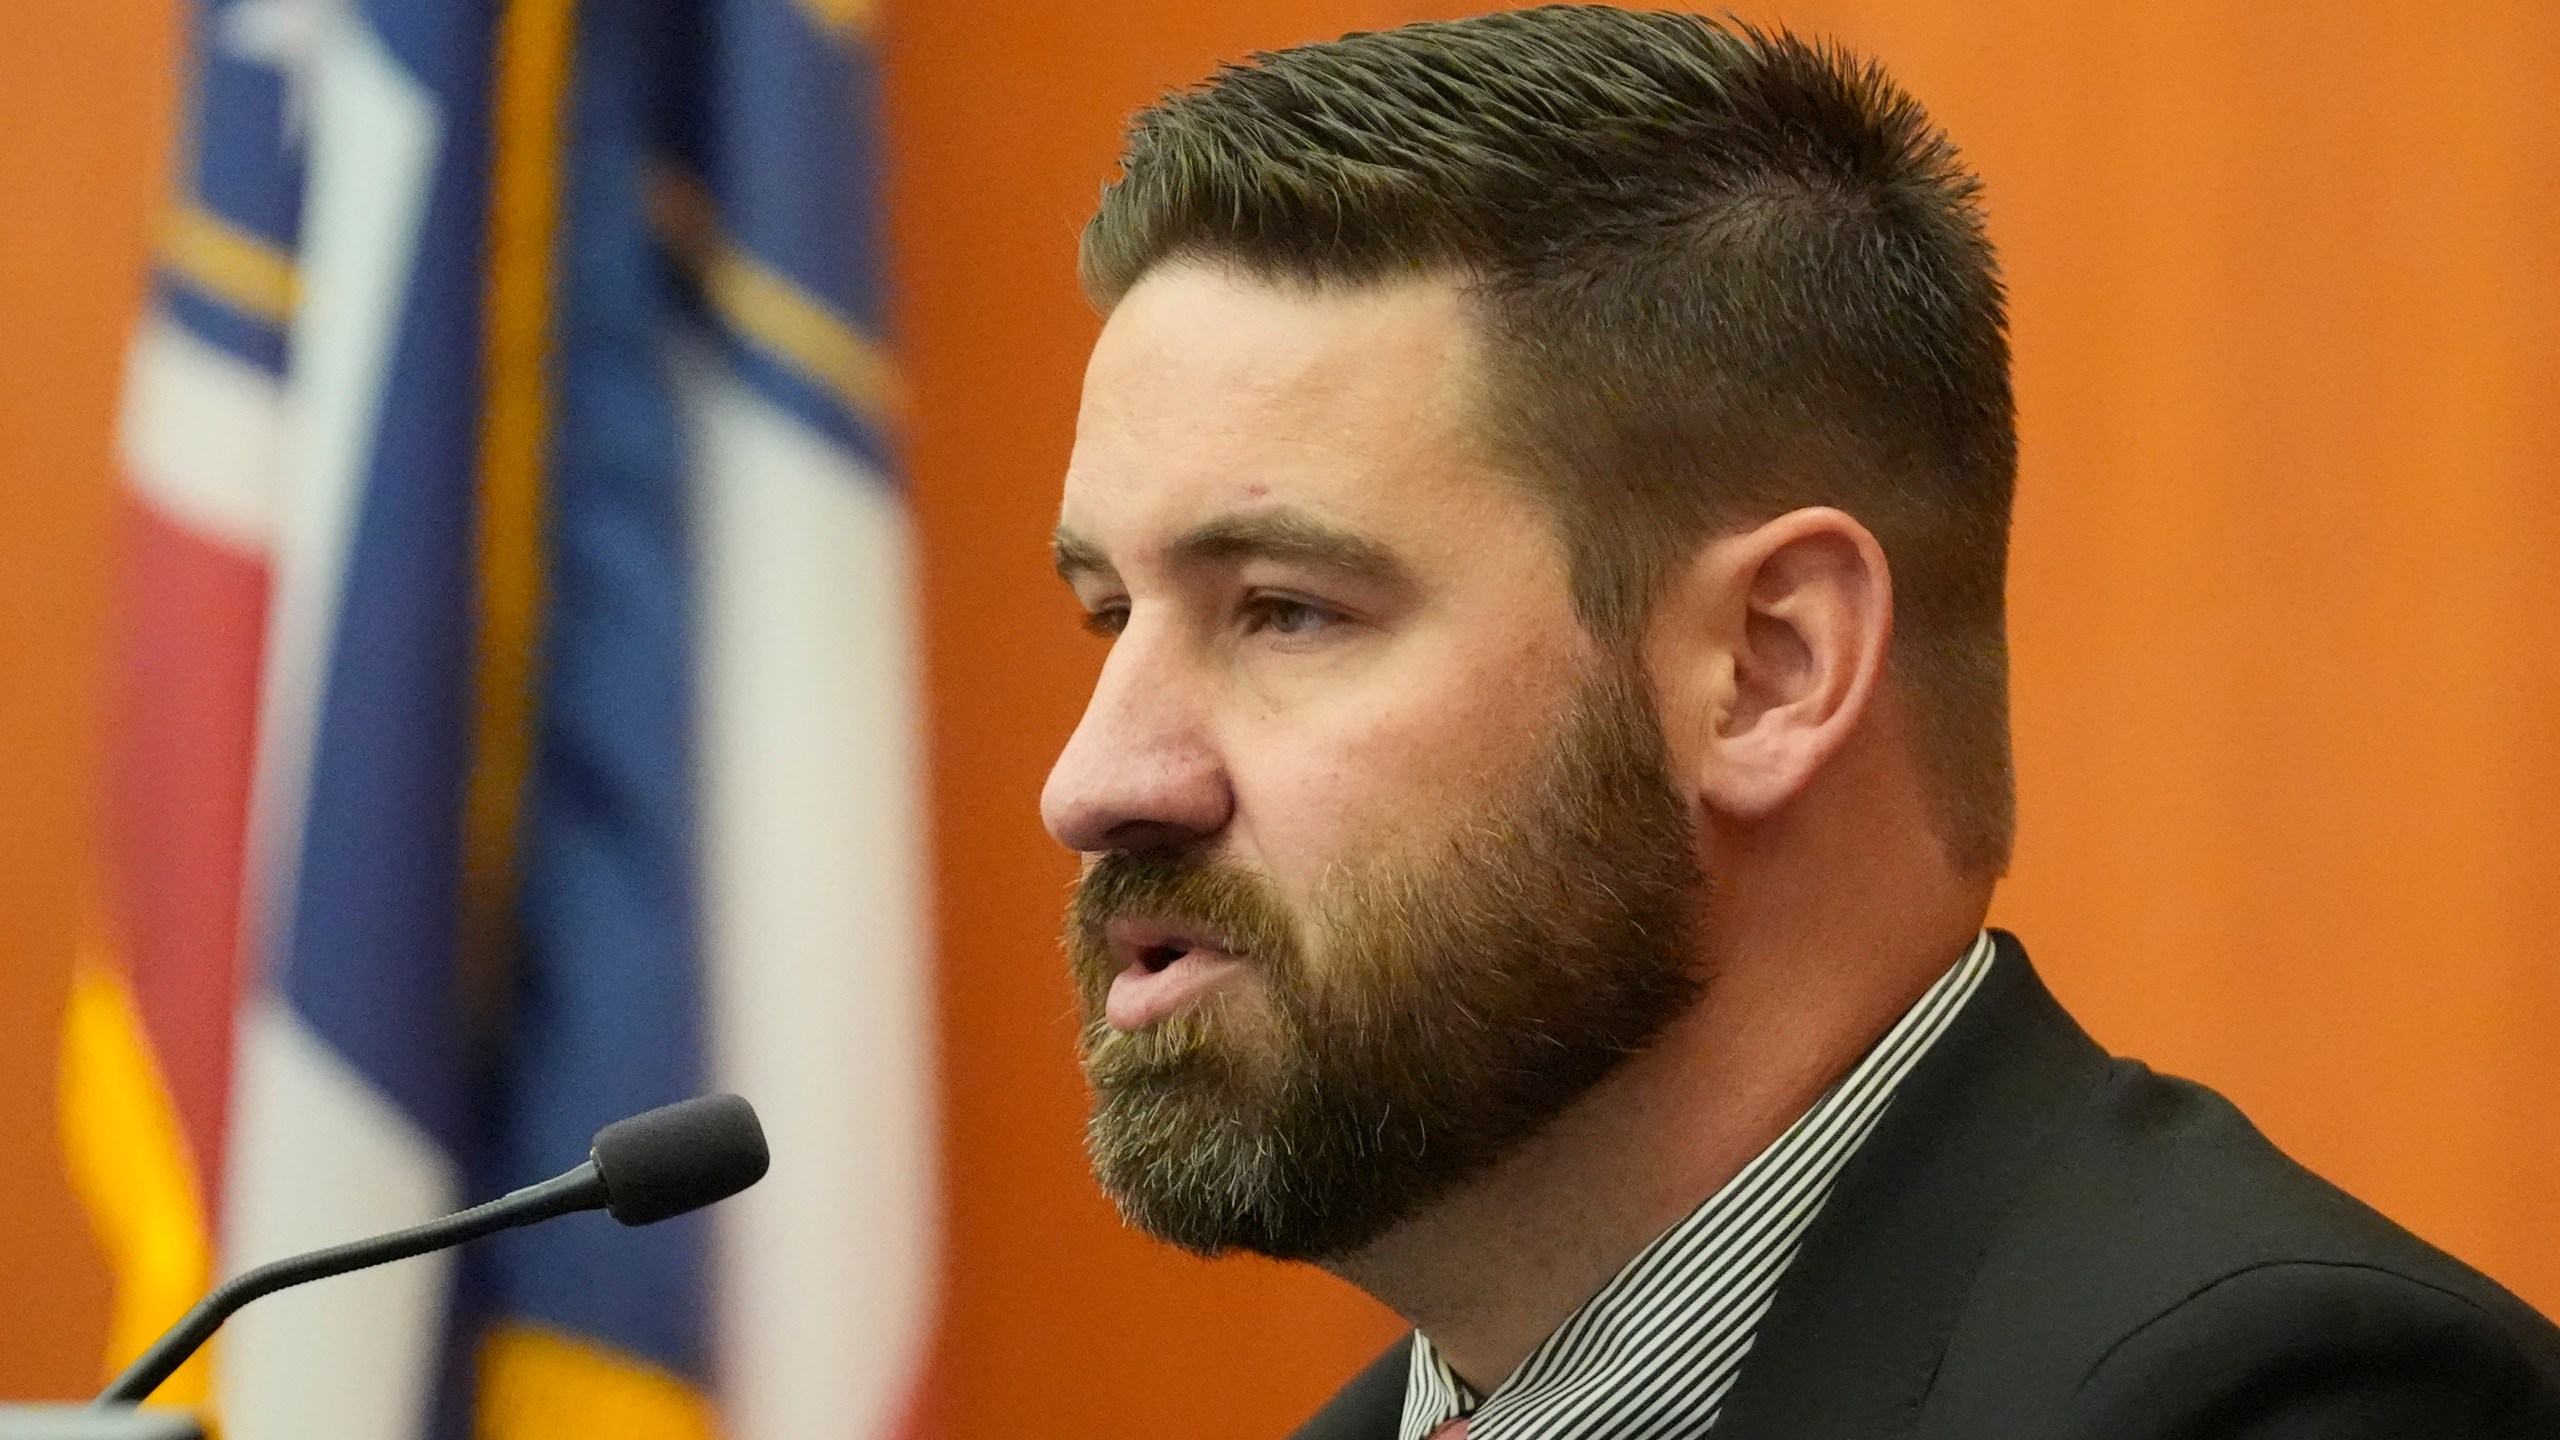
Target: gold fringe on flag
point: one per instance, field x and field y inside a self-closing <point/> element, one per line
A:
<point x="538" y="1384"/>
<point x="128" y="1163"/>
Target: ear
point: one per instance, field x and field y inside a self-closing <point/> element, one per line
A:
<point x="1767" y="654"/>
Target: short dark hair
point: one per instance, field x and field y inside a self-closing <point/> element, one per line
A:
<point x="1721" y="273"/>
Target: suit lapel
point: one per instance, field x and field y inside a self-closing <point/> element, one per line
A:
<point x="1368" y="1408"/>
<point x="1854" y="1337"/>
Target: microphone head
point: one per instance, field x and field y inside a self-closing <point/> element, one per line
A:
<point x="661" y="1163"/>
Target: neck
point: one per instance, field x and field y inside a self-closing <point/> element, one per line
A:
<point x="1492" y="1270"/>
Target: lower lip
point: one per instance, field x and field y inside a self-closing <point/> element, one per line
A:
<point x="1140" y="997"/>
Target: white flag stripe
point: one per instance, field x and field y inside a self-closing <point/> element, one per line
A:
<point x="373" y="153"/>
<point x="811" y="803"/>
<point x="202" y="433"/>
<point x="352" y="1359"/>
<point x="320" y="1156"/>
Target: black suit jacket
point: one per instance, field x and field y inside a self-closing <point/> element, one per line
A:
<point x="2040" y="1242"/>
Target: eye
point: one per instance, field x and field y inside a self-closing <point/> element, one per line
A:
<point x="1286" y="615"/>
<point x="1107" y="621"/>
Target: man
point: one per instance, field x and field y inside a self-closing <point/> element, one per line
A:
<point x="1545" y="479"/>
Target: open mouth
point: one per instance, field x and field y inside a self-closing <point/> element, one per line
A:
<point x="1161" y="970"/>
<point x="1151" y="947"/>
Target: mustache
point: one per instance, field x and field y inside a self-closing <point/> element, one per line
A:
<point x="1188" y="888"/>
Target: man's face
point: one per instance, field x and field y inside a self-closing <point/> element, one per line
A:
<point x="1384" y="868"/>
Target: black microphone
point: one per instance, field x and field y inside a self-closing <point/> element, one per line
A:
<point x="651" y="1167"/>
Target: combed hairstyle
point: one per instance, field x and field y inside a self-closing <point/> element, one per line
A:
<point x="1718" y="273"/>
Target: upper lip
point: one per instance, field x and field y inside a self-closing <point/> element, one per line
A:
<point x="1144" y="942"/>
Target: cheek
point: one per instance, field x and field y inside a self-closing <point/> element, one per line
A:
<point x="1382" y="765"/>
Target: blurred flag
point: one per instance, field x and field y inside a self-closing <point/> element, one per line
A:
<point x="147" y="1059"/>
<point x="520" y="685"/>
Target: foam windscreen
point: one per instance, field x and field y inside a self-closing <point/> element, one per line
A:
<point x="663" y="1162"/>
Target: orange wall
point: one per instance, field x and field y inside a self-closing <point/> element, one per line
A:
<point x="85" y="93"/>
<point x="2287" y="606"/>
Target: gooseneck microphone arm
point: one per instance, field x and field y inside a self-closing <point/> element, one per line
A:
<point x="650" y="1167"/>
<point x="579" y="1189"/>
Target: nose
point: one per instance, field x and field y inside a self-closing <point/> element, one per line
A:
<point x="1141" y="771"/>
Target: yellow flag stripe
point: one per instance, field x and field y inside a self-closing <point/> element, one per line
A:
<point x="539" y="1384"/>
<point x="771" y="312"/>
<point x="534" y="40"/>
<point x="128" y="1163"/>
<point x="229" y="264"/>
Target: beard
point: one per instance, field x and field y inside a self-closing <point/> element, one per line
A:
<point x="1434" y="1007"/>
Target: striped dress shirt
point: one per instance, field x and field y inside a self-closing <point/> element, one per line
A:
<point x="1656" y="1351"/>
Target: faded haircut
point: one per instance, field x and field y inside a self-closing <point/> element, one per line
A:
<point x="1720" y="273"/>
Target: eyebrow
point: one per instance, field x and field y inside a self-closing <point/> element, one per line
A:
<point x="1075" y="556"/>
<point x="1282" y="535"/>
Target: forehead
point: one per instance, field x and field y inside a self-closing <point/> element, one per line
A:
<point x="1210" y="394"/>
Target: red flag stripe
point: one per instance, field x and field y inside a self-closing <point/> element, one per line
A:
<point x="184" y="716"/>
